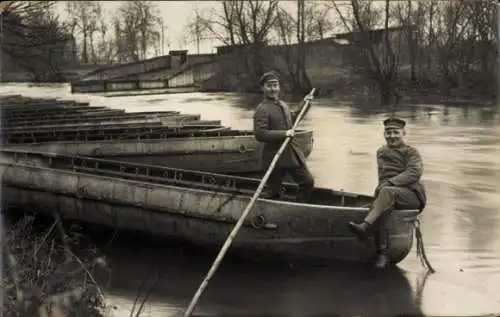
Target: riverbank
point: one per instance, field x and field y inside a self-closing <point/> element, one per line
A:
<point x="48" y="270"/>
<point x="406" y="98"/>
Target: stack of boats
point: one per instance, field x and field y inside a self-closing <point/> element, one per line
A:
<point x="172" y="174"/>
<point x="76" y="128"/>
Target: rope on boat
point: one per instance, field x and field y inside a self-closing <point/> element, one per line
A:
<point x="420" y="247"/>
<point x="228" y="199"/>
<point x="420" y="288"/>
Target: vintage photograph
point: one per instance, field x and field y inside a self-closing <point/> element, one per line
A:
<point x="249" y="158"/>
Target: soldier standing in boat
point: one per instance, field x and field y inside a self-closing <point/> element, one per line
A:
<point x="400" y="168"/>
<point x="273" y="121"/>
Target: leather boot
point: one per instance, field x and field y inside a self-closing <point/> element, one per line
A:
<point x="382" y="261"/>
<point x="270" y="194"/>
<point x="304" y="195"/>
<point x="360" y="230"/>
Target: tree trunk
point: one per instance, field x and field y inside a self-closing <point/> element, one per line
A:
<point x="385" y="92"/>
<point x="85" y="58"/>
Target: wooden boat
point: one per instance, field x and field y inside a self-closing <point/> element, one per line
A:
<point x="233" y="151"/>
<point x="199" y="207"/>
<point x="38" y="103"/>
<point x="63" y="112"/>
<point x="87" y="119"/>
<point x="170" y="120"/>
<point x="69" y="115"/>
<point x="103" y="129"/>
<point x="42" y="110"/>
<point x="107" y="132"/>
<point x="45" y="106"/>
<point x="110" y="113"/>
<point x="11" y="97"/>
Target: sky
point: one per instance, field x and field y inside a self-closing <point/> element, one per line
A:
<point x="176" y="15"/>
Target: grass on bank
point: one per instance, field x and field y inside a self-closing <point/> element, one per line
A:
<point x="43" y="277"/>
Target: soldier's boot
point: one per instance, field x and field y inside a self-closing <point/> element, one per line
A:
<point x="304" y="195"/>
<point x="270" y="192"/>
<point x="382" y="259"/>
<point x="361" y="231"/>
<point x="269" y="195"/>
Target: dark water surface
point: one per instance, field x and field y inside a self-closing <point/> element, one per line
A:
<point x="461" y="224"/>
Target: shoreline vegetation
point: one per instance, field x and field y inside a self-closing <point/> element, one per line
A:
<point x="57" y="268"/>
<point x="43" y="275"/>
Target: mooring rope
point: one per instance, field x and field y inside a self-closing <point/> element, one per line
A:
<point x="420" y="247"/>
<point x="227" y="200"/>
<point x="420" y="288"/>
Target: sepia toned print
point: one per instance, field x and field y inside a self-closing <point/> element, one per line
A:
<point x="257" y="158"/>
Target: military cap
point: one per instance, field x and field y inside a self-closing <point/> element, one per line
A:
<point x="268" y="76"/>
<point x="394" y="123"/>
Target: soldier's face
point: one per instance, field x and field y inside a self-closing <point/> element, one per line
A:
<point x="394" y="137"/>
<point x="271" y="89"/>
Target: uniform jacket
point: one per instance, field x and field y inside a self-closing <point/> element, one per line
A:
<point x="271" y="120"/>
<point x="402" y="167"/>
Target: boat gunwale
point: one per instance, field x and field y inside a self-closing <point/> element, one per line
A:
<point x="333" y="208"/>
<point x="116" y="122"/>
<point x="246" y="134"/>
<point x="77" y="118"/>
<point x="166" y="129"/>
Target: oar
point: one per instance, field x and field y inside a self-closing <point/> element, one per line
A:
<point x="238" y="225"/>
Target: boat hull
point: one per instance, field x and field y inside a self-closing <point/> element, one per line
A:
<point x="83" y="118"/>
<point x="221" y="154"/>
<point x="203" y="217"/>
<point x="167" y="120"/>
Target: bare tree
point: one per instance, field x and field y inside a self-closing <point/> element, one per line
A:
<point x="137" y="30"/>
<point x="198" y="28"/>
<point x="301" y="80"/>
<point x="246" y="24"/>
<point x="411" y="16"/>
<point x="84" y="15"/>
<point x="317" y="23"/>
<point x="33" y="38"/>
<point x="376" y="47"/>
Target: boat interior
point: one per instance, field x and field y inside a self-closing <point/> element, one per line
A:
<point x="153" y="133"/>
<point x="192" y="179"/>
<point x="56" y="109"/>
<point x="102" y="128"/>
<point x="18" y="120"/>
<point x="66" y="114"/>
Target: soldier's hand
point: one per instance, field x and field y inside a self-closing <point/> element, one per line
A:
<point x="308" y="98"/>
<point x="290" y="133"/>
<point x="384" y="184"/>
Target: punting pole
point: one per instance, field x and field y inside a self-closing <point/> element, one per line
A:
<point x="238" y="225"/>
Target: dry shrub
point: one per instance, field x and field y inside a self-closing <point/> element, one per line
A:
<point x="43" y="277"/>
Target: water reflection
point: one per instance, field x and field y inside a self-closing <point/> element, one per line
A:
<point x="239" y="287"/>
<point x="274" y="289"/>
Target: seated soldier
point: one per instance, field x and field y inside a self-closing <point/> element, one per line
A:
<point x="399" y="171"/>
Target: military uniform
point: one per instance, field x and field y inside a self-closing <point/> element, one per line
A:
<point x="271" y="120"/>
<point x="399" y="172"/>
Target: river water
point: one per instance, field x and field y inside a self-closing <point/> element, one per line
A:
<point x="461" y="224"/>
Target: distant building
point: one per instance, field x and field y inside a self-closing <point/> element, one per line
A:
<point x="375" y="35"/>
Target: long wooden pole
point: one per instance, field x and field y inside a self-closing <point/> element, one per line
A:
<point x="238" y="225"/>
